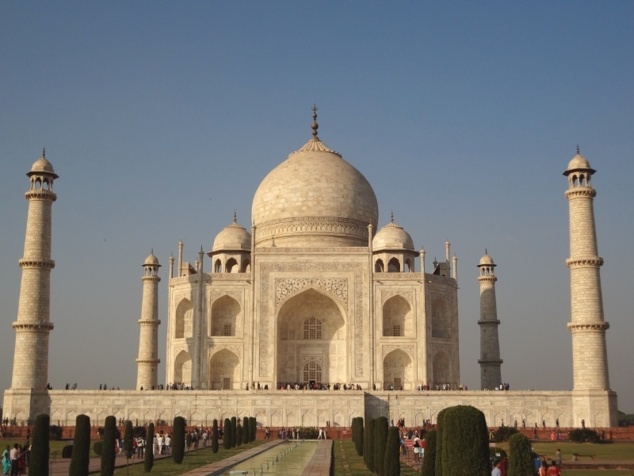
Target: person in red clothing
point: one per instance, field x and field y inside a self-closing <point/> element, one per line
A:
<point x="553" y="469"/>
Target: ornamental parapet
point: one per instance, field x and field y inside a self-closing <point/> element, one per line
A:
<point x="587" y="326"/>
<point x="151" y="322"/>
<point x="492" y="322"/>
<point x="41" y="194"/>
<point x="581" y="192"/>
<point x="584" y="262"/>
<point x="489" y="277"/>
<point x="490" y="361"/>
<point x="36" y="263"/>
<point x="151" y="278"/>
<point x="32" y="326"/>
<point x="148" y="361"/>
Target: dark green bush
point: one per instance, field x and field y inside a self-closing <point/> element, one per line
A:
<point x="214" y="437"/>
<point x="357" y="434"/>
<point x="178" y="440"/>
<point x="67" y="451"/>
<point x="55" y="432"/>
<point x="583" y="435"/>
<point x="80" y="461"/>
<point x="128" y="438"/>
<point x="496" y="452"/>
<point x="439" y="437"/>
<point x="380" y="440"/>
<point x="226" y="434"/>
<point x="38" y="464"/>
<point x="521" y="461"/>
<point x="109" y="445"/>
<point x="368" y="444"/>
<point x="504" y="433"/>
<point x="245" y="430"/>
<point x="98" y="447"/>
<point x="234" y="431"/>
<point x="148" y="458"/>
<point x="391" y="459"/>
<point x="465" y="442"/>
<point x="239" y="435"/>
<point x="253" y="426"/>
<point x="429" y="459"/>
<point x="140" y="432"/>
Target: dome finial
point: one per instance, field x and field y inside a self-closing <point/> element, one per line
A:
<point x="235" y="216"/>
<point x="44" y="152"/>
<point x="391" y="216"/>
<point x="314" y="126"/>
<point x="486" y="251"/>
<point x="578" y="152"/>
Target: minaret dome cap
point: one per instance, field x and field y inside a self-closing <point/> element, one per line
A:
<point x="486" y="260"/>
<point x="151" y="260"/>
<point x="579" y="163"/>
<point x="42" y="166"/>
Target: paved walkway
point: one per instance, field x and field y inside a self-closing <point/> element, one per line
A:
<point x="319" y="465"/>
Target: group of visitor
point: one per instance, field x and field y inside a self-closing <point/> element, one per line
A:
<point x="15" y="460"/>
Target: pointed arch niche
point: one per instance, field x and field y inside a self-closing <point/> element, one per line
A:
<point x="398" y="370"/>
<point x="183" y="369"/>
<point x="225" y="317"/>
<point x="311" y="328"/>
<point x="398" y="319"/>
<point x="441" y="368"/>
<point x="440" y="326"/>
<point x="224" y="371"/>
<point x="184" y="319"/>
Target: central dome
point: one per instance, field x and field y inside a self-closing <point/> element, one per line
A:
<point x="314" y="199"/>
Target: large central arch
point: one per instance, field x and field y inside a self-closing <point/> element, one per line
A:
<point x="311" y="333"/>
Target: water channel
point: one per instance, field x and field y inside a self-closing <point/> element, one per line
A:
<point x="286" y="459"/>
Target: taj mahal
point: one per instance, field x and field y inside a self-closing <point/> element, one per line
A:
<point x="316" y="314"/>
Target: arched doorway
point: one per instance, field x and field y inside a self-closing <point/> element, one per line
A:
<point x="398" y="372"/>
<point x="311" y="338"/>
<point x="183" y="369"/>
<point x="224" y="371"/>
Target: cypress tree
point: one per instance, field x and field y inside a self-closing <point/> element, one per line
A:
<point x="109" y="446"/>
<point x="80" y="459"/>
<point x="38" y="465"/>
<point x="253" y="426"/>
<point x="391" y="460"/>
<point x="429" y="458"/>
<point x="178" y="440"/>
<point x="128" y="436"/>
<point x="234" y="431"/>
<point x="439" y="448"/>
<point x="238" y="434"/>
<point x="214" y="437"/>
<point x="520" y="456"/>
<point x="380" y="439"/>
<point x="357" y="434"/>
<point x="245" y="430"/>
<point x="465" y="442"/>
<point x="226" y="434"/>
<point x="368" y="444"/>
<point x="148" y="461"/>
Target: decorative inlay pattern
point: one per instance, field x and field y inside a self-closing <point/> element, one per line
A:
<point x="235" y="348"/>
<point x="408" y="349"/>
<point x="237" y="295"/>
<point x="287" y="287"/>
<point x="408" y="295"/>
<point x="318" y="225"/>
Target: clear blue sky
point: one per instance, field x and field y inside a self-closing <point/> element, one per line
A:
<point x="161" y="118"/>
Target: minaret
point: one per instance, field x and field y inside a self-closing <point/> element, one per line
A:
<point x="148" y="360"/>
<point x="33" y="326"/>
<point x="490" y="362"/>
<point x="589" y="355"/>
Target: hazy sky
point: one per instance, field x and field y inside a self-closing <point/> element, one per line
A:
<point x="161" y="118"/>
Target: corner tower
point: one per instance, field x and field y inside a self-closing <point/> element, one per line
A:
<point x="490" y="362"/>
<point x="33" y="326"/>
<point x="589" y="355"/>
<point x="148" y="360"/>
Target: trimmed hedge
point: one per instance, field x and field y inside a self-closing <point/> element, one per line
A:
<point x="368" y="444"/>
<point x="380" y="440"/>
<point x="178" y="440"/>
<point x="226" y="434"/>
<point x="80" y="459"/>
<point x="429" y="459"/>
<point x="439" y="436"/>
<point x="465" y="442"/>
<point x="109" y="445"/>
<point x="521" y="460"/>
<point x="128" y="437"/>
<point x="504" y="433"/>
<point x="214" y="437"/>
<point x="38" y="464"/>
<point x="391" y="460"/>
<point x="253" y="426"/>
<point x="234" y="431"/>
<point x="148" y="458"/>
<point x="584" y="435"/>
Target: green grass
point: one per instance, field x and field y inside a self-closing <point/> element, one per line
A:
<point x="602" y="452"/>
<point x="348" y="463"/>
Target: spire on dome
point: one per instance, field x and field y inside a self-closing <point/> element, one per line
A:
<point x="235" y="216"/>
<point x="314" y="126"/>
<point x="578" y="152"/>
<point x="44" y="152"/>
<point x="391" y="216"/>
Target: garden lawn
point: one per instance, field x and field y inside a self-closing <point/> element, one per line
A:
<point x="348" y="463"/>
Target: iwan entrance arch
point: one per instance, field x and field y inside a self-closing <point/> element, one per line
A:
<point x="311" y="341"/>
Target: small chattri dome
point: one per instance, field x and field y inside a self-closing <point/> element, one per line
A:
<point x="232" y="238"/>
<point x="151" y="260"/>
<point x="486" y="260"/>
<point x="578" y="162"/>
<point x="42" y="165"/>
<point x="392" y="237"/>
